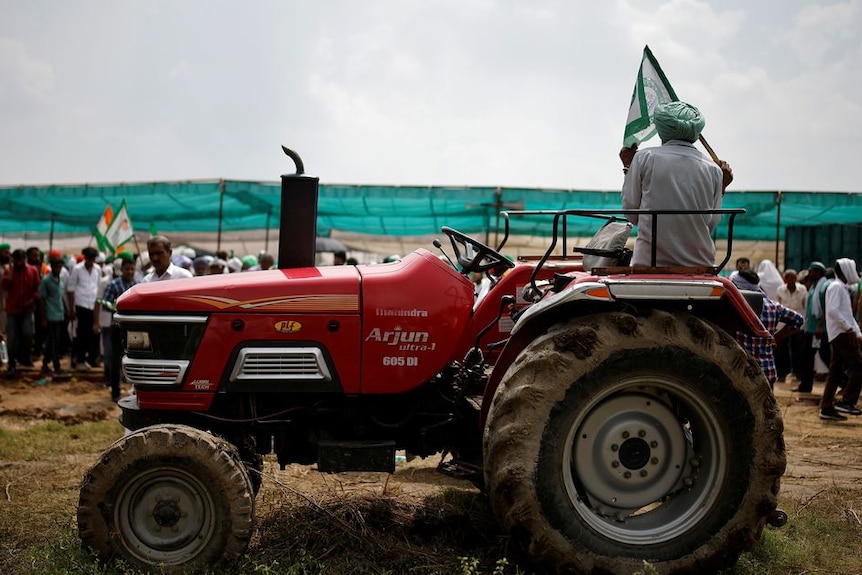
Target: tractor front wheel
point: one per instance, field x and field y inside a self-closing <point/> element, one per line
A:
<point x="169" y="496"/>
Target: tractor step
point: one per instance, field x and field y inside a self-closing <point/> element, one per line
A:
<point x="339" y="456"/>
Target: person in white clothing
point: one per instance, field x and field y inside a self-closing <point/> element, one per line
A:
<point x="159" y="251"/>
<point x="674" y="176"/>
<point x="845" y="340"/>
<point x="789" y="351"/>
<point x="81" y="288"/>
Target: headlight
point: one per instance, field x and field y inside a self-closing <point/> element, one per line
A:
<point x="138" y="341"/>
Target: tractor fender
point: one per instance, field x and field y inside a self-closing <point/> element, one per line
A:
<point x="591" y="294"/>
<point x="579" y="299"/>
<point x="586" y="290"/>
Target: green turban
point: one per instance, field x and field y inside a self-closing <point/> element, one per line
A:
<point x="678" y="121"/>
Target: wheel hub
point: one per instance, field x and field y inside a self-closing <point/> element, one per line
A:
<point x="630" y="451"/>
<point x="166" y="513"/>
<point x="634" y="453"/>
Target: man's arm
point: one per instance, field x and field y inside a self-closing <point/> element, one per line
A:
<point x="70" y="294"/>
<point x="36" y="280"/>
<point x="726" y="175"/>
<point x="792" y="321"/>
<point x="43" y="293"/>
<point x="627" y="155"/>
<point x="631" y="192"/>
<point x="833" y="300"/>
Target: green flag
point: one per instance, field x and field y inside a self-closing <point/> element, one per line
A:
<point x="651" y="89"/>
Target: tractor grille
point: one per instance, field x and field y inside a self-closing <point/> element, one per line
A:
<point x="154" y="371"/>
<point x="274" y="363"/>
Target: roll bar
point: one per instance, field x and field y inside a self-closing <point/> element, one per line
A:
<point x="560" y="221"/>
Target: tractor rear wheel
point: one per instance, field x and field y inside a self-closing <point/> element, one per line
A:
<point x="169" y="496"/>
<point x="614" y="440"/>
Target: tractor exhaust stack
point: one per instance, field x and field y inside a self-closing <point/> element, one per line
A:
<point x="298" y="221"/>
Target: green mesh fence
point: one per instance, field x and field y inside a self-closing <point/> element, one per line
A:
<point x="230" y="205"/>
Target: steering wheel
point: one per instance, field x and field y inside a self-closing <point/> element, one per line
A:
<point x="474" y="256"/>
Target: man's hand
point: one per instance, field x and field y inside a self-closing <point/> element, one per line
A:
<point x="627" y="155"/>
<point x="726" y="175"/>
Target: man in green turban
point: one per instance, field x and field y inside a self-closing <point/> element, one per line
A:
<point x="674" y="176"/>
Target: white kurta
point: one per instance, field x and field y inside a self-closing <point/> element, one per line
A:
<point x="675" y="176"/>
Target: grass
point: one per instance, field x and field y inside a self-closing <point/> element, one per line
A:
<point x="52" y="439"/>
<point x="350" y="533"/>
<point x="41" y="467"/>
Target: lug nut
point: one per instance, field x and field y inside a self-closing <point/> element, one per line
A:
<point x="643" y="472"/>
<point x="654" y="460"/>
<point x="641" y="433"/>
<point x="615" y="463"/>
<point x="615" y="447"/>
<point x="626" y="434"/>
<point x="627" y="474"/>
<point x="653" y="443"/>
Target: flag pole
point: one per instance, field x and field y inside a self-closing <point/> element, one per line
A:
<point x="709" y="149"/>
<point x="137" y="247"/>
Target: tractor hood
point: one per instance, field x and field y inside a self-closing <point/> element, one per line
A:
<point x="304" y="290"/>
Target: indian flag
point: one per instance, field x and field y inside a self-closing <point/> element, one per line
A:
<point x="120" y="231"/>
<point x="651" y="89"/>
<point x="102" y="228"/>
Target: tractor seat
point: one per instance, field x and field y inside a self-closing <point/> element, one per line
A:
<point x="607" y="248"/>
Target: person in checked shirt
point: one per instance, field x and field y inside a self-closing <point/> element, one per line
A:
<point x="112" y="350"/>
<point x="779" y="320"/>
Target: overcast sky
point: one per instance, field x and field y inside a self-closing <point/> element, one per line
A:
<point x="530" y="93"/>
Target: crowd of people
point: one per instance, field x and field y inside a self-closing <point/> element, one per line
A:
<point x="814" y="313"/>
<point x="57" y="307"/>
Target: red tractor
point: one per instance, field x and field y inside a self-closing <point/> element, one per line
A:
<point x="608" y="413"/>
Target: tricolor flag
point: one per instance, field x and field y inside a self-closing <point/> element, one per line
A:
<point x="651" y="89"/>
<point x="102" y="228"/>
<point x="120" y="231"/>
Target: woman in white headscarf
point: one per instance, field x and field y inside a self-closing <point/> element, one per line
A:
<point x="770" y="278"/>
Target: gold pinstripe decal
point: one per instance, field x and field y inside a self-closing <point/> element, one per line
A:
<point x="317" y="302"/>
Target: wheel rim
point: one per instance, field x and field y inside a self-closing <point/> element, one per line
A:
<point x="165" y="516"/>
<point x="645" y="460"/>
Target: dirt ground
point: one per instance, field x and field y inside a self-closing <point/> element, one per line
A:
<point x="75" y="398"/>
<point x="819" y="454"/>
